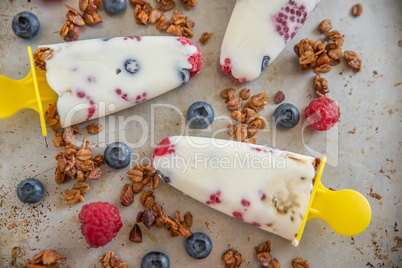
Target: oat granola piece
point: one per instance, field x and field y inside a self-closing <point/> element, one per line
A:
<point x="300" y="263"/>
<point x="353" y="60"/>
<point x="322" y="64"/>
<point x="305" y="52"/>
<point x="167" y="5"/>
<point x="127" y="195"/>
<point x="357" y="10"/>
<point x="321" y="85"/>
<point x="46" y="258"/>
<point x="136" y="234"/>
<point x="232" y="258"/>
<point x="245" y="93"/>
<point x="263" y="253"/>
<point x="138" y="2"/>
<point x="74" y="17"/>
<point x="73" y="196"/>
<point x="189" y="3"/>
<point x="111" y="260"/>
<point x="155" y="15"/>
<point x="336" y="37"/>
<point x="40" y="56"/>
<point x="94" y="128"/>
<point x="250" y="140"/>
<point x="235" y="103"/>
<point x="254" y="126"/>
<point x="241" y="132"/>
<point x="205" y="37"/>
<point x="257" y="102"/>
<point x="228" y="94"/>
<point x="325" y="26"/>
<point x="163" y="24"/>
<point x="81" y="186"/>
<point x="279" y="97"/>
<point x="70" y="32"/>
<point x="334" y="53"/>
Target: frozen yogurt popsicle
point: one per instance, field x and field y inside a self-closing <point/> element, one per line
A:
<point x="265" y="187"/>
<point x="257" y="32"/>
<point x="90" y="75"/>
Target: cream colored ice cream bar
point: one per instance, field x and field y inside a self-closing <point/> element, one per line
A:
<point x="262" y="186"/>
<point x="90" y="75"/>
<point x="257" y="32"/>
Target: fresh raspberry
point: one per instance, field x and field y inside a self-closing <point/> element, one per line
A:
<point x="100" y="223"/>
<point x="322" y="114"/>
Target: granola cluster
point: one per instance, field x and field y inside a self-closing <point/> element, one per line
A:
<point x="263" y="253"/>
<point x="70" y="30"/>
<point x="300" y="263"/>
<point x="205" y="37"/>
<point x="232" y="258"/>
<point x="111" y="260"/>
<point x="247" y="116"/>
<point x="76" y="162"/>
<point x="321" y="56"/>
<point x="40" y="56"/>
<point x="154" y="215"/>
<point x="178" y="25"/>
<point x="47" y="258"/>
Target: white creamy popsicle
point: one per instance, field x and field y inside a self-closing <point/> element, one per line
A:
<point x="257" y="32"/>
<point x="262" y="186"/>
<point x="90" y="75"/>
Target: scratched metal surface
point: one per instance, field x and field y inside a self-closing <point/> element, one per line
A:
<point x="364" y="151"/>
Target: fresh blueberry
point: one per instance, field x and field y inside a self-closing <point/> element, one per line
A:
<point x="131" y="66"/>
<point x="184" y="75"/>
<point x="198" y="245"/>
<point x="155" y="259"/>
<point x="117" y="155"/>
<point x="286" y="115"/>
<point x="114" y="6"/>
<point x="30" y="190"/>
<point x="200" y="115"/>
<point x="265" y="63"/>
<point x="25" y="25"/>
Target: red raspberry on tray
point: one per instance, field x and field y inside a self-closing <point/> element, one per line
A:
<point x="100" y="223"/>
<point x="322" y="113"/>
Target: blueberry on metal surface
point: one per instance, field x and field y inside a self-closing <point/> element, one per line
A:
<point x="198" y="245"/>
<point x="117" y="155"/>
<point x="286" y="115"/>
<point x="155" y="259"/>
<point x="25" y="25"/>
<point x="114" y="6"/>
<point x="200" y="115"/>
<point x="30" y="190"/>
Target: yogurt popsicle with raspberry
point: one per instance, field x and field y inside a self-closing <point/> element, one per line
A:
<point x="262" y="186"/>
<point x="257" y="32"/>
<point x="97" y="77"/>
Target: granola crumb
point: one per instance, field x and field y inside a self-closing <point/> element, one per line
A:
<point x="353" y="60"/>
<point x="300" y="263"/>
<point x="46" y="258"/>
<point x="94" y="128"/>
<point x="263" y="253"/>
<point x="357" y="10"/>
<point x="205" y="37"/>
<point x="232" y="258"/>
<point x="321" y="85"/>
<point x="325" y="26"/>
<point x="111" y="260"/>
<point x="189" y="3"/>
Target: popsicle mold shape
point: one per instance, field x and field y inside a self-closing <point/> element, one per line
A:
<point x="91" y="75"/>
<point x="257" y="32"/>
<point x="271" y="189"/>
<point x="31" y="92"/>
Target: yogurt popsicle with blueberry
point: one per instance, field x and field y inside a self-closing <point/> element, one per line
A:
<point x="257" y="32"/>
<point x="97" y="77"/>
<point x="262" y="186"/>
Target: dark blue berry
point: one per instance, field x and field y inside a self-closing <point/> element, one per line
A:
<point x="117" y="155"/>
<point x="286" y="115"/>
<point x="114" y="6"/>
<point x="198" y="245"/>
<point x="200" y="115"/>
<point x="25" y="25"/>
<point x="155" y="259"/>
<point x="184" y="75"/>
<point x="131" y="66"/>
<point x="30" y="190"/>
<point x="265" y="63"/>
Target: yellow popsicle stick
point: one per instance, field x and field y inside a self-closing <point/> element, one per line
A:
<point x="347" y="212"/>
<point x="31" y="92"/>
